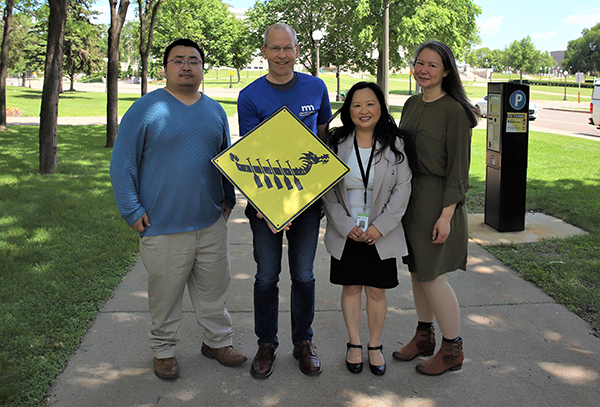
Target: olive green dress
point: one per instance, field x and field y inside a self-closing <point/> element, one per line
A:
<point x="441" y="133"/>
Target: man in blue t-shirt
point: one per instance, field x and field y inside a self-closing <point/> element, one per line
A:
<point x="307" y="98"/>
<point x="167" y="189"/>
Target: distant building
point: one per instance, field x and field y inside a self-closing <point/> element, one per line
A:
<point x="558" y="56"/>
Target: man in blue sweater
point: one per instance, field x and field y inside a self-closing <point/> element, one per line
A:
<point x="167" y="189"/>
<point x="307" y="98"/>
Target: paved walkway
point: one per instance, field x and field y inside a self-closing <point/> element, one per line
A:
<point x="521" y="347"/>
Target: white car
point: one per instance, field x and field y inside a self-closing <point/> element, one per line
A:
<point x="481" y="108"/>
<point x="595" y="105"/>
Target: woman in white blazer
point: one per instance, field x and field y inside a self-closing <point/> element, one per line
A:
<point x="364" y="233"/>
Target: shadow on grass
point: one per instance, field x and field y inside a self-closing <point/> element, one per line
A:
<point x="31" y="94"/>
<point x="64" y="247"/>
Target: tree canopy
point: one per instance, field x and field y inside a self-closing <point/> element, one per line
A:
<point x="354" y="28"/>
<point x="583" y="54"/>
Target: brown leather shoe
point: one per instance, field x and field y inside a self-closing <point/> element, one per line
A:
<point x="449" y="357"/>
<point x="309" y="361"/>
<point x="423" y="343"/>
<point x="262" y="365"/>
<point x="166" y="368"/>
<point x="227" y="355"/>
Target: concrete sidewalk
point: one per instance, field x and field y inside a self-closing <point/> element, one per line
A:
<point x="521" y="347"/>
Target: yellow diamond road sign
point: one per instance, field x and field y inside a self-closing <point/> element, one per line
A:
<point x="281" y="167"/>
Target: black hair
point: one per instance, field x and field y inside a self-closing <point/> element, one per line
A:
<point x="386" y="131"/>
<point x="451" y="84"/>
<point x="183" y="42"/>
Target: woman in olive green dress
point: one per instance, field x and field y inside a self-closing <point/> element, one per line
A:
<point x="439" y="121"/>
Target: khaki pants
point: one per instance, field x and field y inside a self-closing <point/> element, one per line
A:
<point x="199" y="259"/>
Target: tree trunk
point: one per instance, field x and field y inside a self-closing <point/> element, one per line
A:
<point x="8" y="11"/>
<point x="146" y="43"/>
<point x="239" y="76"/>
<point x="72" y="80"/>
<point x="117" y="19"/>
<point x="52" y="81"/>
<point x="144" y="73"/>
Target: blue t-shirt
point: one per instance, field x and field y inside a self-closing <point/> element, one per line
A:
<point x="308" y="100"/>
<point x="161" y="163"/>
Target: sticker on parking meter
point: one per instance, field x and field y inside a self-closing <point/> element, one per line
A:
<point x="517" y="100"/>
<point x="516" y="122"/>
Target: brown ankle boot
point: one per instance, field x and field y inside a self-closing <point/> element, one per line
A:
<point x="423" y="343"/>
<point x="449" y="357"/>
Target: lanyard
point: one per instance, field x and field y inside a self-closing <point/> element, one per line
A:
<point x="365" y="177"/>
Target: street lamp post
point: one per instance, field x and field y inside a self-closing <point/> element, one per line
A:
<point x="565" y="74"/>
<point x="337" y="78"/>
<point x="317" y="35"/>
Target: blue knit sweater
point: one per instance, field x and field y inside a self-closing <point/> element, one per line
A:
<point x="161" y="163"/>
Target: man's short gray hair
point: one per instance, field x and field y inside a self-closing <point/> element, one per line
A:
<point x="280" y="26"/>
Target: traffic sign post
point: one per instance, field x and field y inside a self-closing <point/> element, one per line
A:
<point x="579" y="80"/>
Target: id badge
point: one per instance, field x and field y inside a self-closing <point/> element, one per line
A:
<point x="362" y="221"/>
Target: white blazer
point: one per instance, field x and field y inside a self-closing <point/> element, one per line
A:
<point x="391" y="191"/>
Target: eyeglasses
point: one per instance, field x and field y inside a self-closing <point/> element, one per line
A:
<point x="192" y="63"/>
<point x="287" y="50"/>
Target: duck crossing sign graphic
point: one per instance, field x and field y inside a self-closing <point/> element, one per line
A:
<point x="281" y="167"/>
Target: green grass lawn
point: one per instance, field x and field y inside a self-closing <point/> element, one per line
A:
<point x="64" y="247"/>
<point x="82" y="104"/>
<point x="562" y="182"/>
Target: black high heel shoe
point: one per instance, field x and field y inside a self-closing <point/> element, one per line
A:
<point x="376" y="370"/>
<point x="353" y="367"/>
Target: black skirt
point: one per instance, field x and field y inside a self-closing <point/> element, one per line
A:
<point x="361" y="265"/>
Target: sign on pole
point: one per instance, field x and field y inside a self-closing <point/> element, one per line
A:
<point x="281" y="167"/>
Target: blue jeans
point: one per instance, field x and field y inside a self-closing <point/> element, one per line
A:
<point x="302" y="245"/>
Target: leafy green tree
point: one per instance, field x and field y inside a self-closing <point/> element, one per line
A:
<point x="33" y="45"/>
<point x="522" y="56"/>
<point x="118" y="13"/>
<point x="147" y="11"/>
<point x="583" y="54"/>
<point x="130" y="42"/>
<point x="485" y="58"/>
<point x="546" y="61"/>
<point x="204" y="21"/>
<point x="361" y="22"/>
<point x="11" y="5"/>
<point x="242" y="46"/>
<point x="83" y="44"/>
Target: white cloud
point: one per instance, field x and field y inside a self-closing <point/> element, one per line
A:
<point x="491" y="25"/>
<point x="544" y="36"/>
<point x="583" y="20"/>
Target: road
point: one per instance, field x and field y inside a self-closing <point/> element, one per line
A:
<point x="561" y="118"/>
<point x="573" y="123"/>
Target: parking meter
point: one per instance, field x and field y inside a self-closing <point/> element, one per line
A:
<point x="506" y="156"/>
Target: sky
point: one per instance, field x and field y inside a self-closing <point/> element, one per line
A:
<point x="551" y="24"/>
